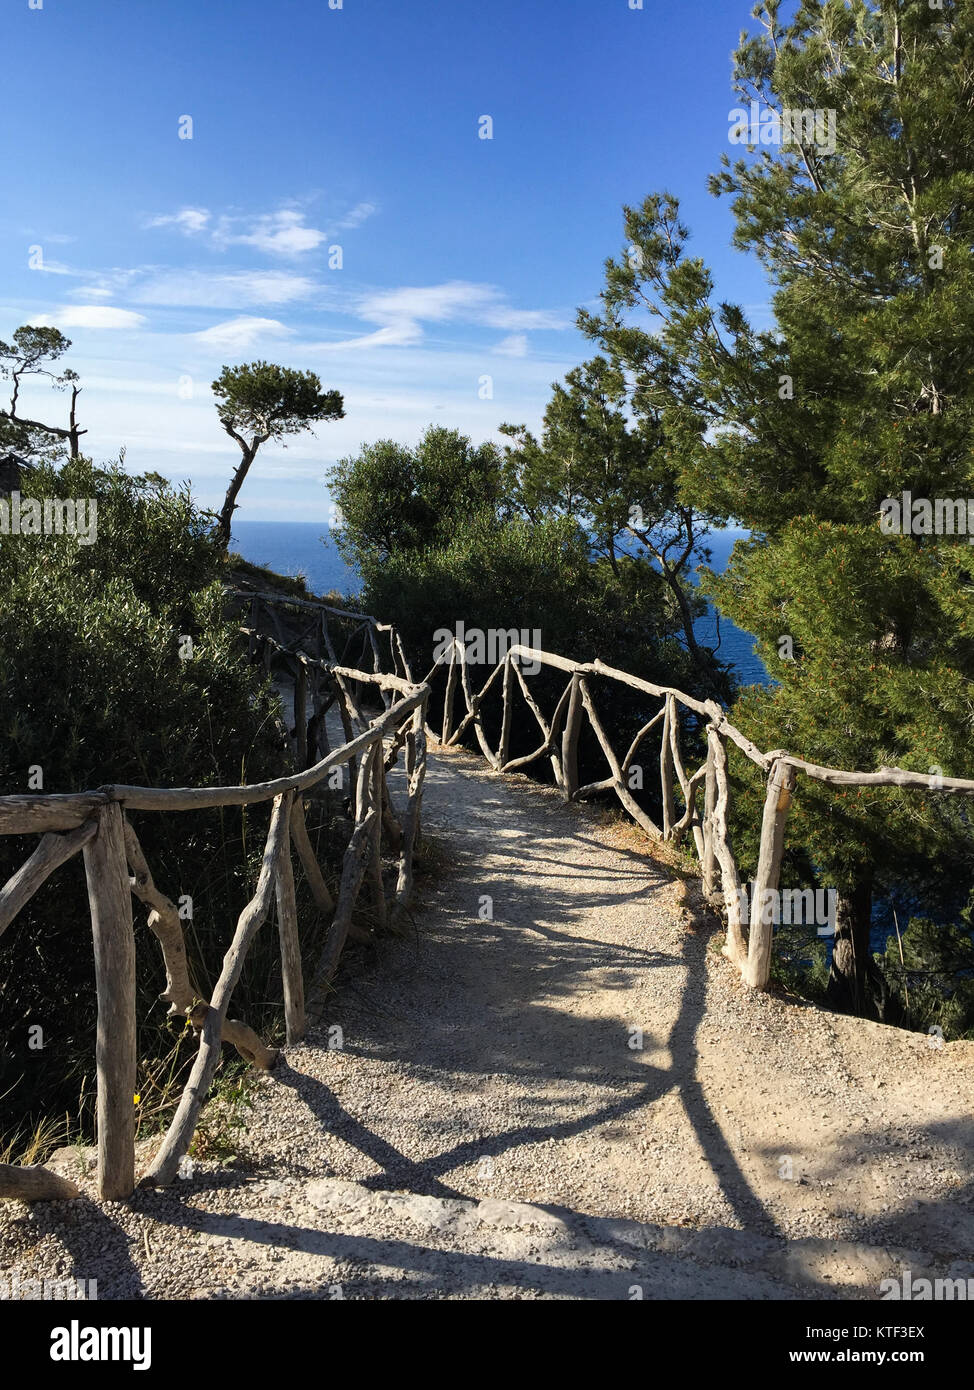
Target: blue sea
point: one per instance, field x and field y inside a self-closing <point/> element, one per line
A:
<point x="307" y="548"/>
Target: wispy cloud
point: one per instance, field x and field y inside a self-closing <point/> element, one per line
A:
<point x="281" y="233"/>
<point x="92" y="292"/>
<point x="504" y="317"/>
<point x="402" y="312"/>
<point x="395" y="335"/>
<point x="230" y="290"/>
<point x="360" y="213"/>
<point x="284" y="232"/>
<point x="514" y="346"/>
<point x="240" y="334"/>
<point x="188" y="220"/>
<point x="90" y="316"/>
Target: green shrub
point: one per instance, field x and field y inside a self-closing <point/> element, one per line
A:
<point x="97" y="685"/>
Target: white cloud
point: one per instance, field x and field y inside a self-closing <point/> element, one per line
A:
<point x="457" y="299"/>
<point x="504" y="317"/>
<point x="188" y="220"/>
<point x="232" y="290"/>
<point x="514" y="346"/>
<point x="91" y="316"/>
<point x="284" y="232"/>
<point x="281" y="233"/>
<point x="240" y="334"/>
<point x="395" y="335"/>
<point x="360" y="213"/>
<point x="402" y="312"/>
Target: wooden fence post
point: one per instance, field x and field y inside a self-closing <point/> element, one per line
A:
<point x="735" y="947"/>
<point x="110" y="901"/>
<point x="504" y="747"/>
<point x="354" y="865"/>
<point x="777" y="803"/>
<point x="301" y="715"/>
<point x="180" y="1132"/>
<point x="666" y="771"/>
<point x="451" y="685"/>
<point x="569" y="739"/>
<point x="709" y="861"/>
<point x="287" y="927"/>
<point x="375" y="856"/>
<point x="312" y="871"/>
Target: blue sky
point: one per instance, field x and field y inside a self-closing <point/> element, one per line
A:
<point x="163" y="258"/>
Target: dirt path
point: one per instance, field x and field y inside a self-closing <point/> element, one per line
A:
<point x="555" y="1087"/>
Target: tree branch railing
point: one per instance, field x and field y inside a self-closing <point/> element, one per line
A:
<point x="748" y="944"/>
<point x="97" y="824"/>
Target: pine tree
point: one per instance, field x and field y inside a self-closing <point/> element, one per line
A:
<point x="861" y="392"/>
<point x="617" y="477"/>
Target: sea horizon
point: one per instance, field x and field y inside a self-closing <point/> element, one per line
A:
<point x="305" y="548"/>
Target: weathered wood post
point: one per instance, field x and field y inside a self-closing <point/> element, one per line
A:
<point x="301" y="715"/>
<point x="777" y="803"/>
<point x="415" y="761"/>
<point x="451" y="685"/>
<point x="375" y="857"/>
<point x="110" y="902"/>
<point x="708" y="864"/>
<point x="180" y="1132"/>
<point x="354" y="865"/>
<point x="312" y="872"/>
<point x="287" y="927"/>
<point x="504" y="747"/>
<point x="569" y="739"/>
<point x="666" y="770"/>
<point x="735" y="947"/>
<point x="343" y="700"/>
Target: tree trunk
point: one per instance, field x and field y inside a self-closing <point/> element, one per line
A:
<point x="230" y="501"/>
<point x="686" y="616"/>
<point x="74" y="433"/>
<point x="856" y="984"/>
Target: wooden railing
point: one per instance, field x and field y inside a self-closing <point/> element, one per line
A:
<point x="97" y="823"/>
<point x="708" y="825"/>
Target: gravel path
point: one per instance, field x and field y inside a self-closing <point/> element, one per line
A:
<point x="554" y="1087"/>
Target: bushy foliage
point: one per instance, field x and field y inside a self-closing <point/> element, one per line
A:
<point x="93" y="690"/>
<point x="934" y="977"/>
<point x="441" y="539"/>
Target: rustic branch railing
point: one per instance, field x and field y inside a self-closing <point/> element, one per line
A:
<point x="748" y="945"/>
<point x="97" y="824"/>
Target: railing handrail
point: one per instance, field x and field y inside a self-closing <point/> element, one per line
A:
<point x="98" y="829"/>
<point x="883" y="776"/>
<point x="710" y="830"/>
<point x="116" y="870"/>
